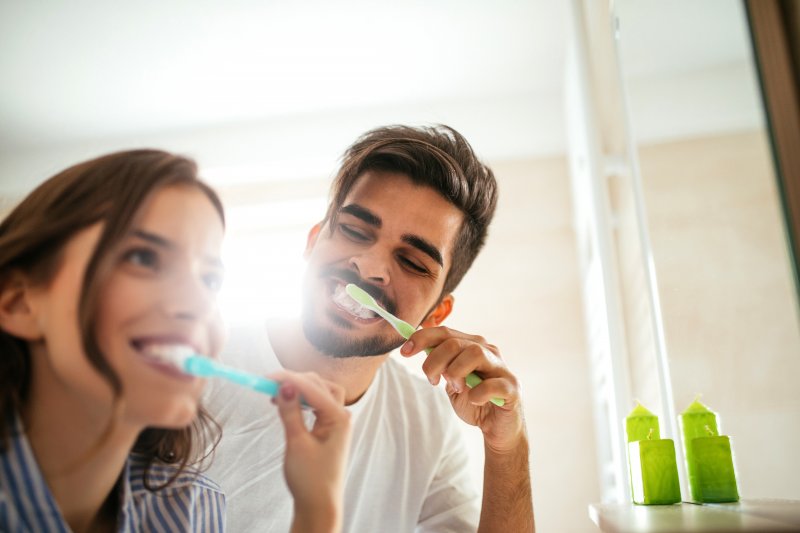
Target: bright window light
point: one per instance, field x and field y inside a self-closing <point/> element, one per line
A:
<point x="263" y="256"/>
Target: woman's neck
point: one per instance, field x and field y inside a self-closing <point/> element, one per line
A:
<point x="78" y="450"/>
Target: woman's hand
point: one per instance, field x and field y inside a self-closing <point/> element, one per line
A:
<point x="315" y="459"/>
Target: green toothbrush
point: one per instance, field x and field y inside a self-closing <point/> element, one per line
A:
<point x="403" y="328"/>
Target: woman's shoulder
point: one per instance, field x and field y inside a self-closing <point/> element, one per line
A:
<point x="164" y="497"/>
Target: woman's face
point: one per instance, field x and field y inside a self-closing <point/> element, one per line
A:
<point x="159" y="291"/>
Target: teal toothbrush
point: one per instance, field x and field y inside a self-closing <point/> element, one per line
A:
<point x="197" y="365"/>
<point x="403" y="328"/>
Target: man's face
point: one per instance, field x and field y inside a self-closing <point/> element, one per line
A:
<point x="392" y="238"/>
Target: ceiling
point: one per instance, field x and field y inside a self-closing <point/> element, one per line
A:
<point x="95" y="68"/>
<point x="208" y="77"/>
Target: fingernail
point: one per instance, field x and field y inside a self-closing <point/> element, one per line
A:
<point x="407" y="347"/>
<point x="287" y="392"/>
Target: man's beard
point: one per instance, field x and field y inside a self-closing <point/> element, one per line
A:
<point x="335" y="341"/>
<point x="337" y="344"/>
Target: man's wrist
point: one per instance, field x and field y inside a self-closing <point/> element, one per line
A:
<point x="509" y="452"/>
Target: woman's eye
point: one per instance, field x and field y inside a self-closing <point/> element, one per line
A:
<point x="213" y="281"/>
<point x="353" y="233"/>
<point x="142" y="257"/>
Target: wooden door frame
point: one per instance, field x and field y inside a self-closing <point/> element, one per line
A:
<point x="774" y="31"/>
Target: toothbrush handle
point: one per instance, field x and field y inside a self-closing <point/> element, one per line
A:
<point x="406" y="330"/>
<point x="472" y="380"/>
<point x="202" y="366"/>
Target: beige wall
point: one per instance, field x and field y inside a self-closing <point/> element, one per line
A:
<point x="728" y="298"/>
<point x="523" y="294"/>
<point x="728" y="303"/>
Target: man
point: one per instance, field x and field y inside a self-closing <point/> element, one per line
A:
<point x="409" y="212"/>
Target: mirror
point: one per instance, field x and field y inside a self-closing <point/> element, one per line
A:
<point x="714" y="216"/>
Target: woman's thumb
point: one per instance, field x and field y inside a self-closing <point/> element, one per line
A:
<point x="288" y="402"/>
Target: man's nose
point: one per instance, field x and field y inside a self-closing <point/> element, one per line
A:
<point x="372" y="266"/>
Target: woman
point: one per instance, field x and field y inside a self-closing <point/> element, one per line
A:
<point x="101" y="267"/>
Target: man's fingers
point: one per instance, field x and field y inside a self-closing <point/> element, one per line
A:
<point x="492" y="388"/>
<point x="433" y="337"/>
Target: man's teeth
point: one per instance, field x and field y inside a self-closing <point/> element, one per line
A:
<point x="343" y="300"/>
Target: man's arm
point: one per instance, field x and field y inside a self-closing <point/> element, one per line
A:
<point x="507" y="500"/>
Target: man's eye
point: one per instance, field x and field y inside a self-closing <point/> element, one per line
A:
<point x="142" y="257"/>
<point x="413" y="265"/>
<point x="353" y="233"/>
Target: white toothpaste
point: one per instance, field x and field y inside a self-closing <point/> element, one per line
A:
<point x="346" y="302"/>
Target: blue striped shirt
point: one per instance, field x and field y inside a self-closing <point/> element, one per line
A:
<point x="191" y="502"/>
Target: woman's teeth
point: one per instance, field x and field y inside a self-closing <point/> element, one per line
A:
<point x="172" y="354"/>
<point x="344" y="301"/>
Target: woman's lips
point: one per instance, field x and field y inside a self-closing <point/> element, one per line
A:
<point x="150" y="352"/>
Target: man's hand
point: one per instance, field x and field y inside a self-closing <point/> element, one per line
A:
<point x="453" y="356"/>
<point x="315" y="460"/>
<point x="507" y="501"/>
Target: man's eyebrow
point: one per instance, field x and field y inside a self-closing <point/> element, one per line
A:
<point x="161" y="242"/>
<point x="416" y="241"/>
<point x="424" y="246"/>
<point x="362" y="213"/>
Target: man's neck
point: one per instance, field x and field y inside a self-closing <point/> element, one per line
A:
<point x="295" y="353"/>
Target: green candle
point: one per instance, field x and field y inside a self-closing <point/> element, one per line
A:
<point x="641" y="424"/>
<point x="715" y="476"/>
<point x="654" y="472"/>
<point x="699" y="422"/>
<point x="653" y="469"/>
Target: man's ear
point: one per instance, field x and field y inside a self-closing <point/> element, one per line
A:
<point x="311" y="240"/>
<point x="439" y="313"/>
<point x="17" y="315"/>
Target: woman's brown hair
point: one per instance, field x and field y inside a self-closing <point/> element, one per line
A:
<point x="110" y="189"/>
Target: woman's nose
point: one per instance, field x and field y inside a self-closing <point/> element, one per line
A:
<point x="188" y="298"/>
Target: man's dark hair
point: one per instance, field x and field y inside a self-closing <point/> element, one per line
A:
<point x="434" y="156"/>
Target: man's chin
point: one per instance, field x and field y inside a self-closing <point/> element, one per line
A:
<point x="336" y="344"/>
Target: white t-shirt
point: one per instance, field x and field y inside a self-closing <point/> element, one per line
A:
<point x="408" y="469"/>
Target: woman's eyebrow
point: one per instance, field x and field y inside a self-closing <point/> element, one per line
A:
<point x="163" y="242"/>
<point x="153" y="238"/>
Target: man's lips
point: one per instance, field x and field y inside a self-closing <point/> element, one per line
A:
<point x="346" y="302"/>
<point x="348" y="308"/>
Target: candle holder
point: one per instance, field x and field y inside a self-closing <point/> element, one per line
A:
<point x="709" y="458"/>
<point x="651" y="460"/>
